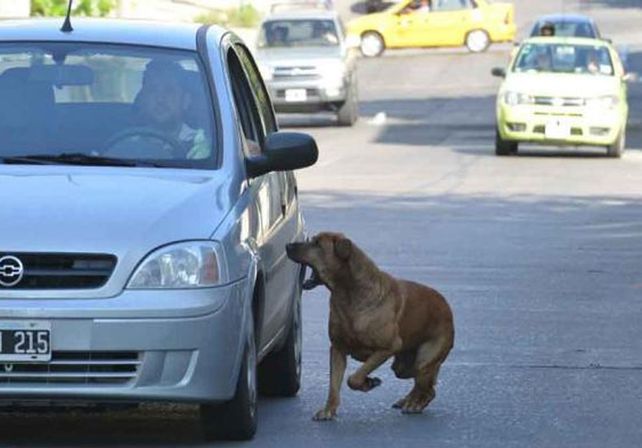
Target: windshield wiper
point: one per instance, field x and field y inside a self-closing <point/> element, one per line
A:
<point x="68" y="158"/>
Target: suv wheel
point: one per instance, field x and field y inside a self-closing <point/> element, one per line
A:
<point x="280" y="372"/>
<point x="236" y="419"/>
<point x="477" y="41"/>
<point x="348" y="113"/>
<point x="372" y="44"/>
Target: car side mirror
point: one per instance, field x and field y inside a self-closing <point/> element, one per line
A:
<point x="284" y="151"/>
<point x="630" y="77"/>
<point x="499" y="72"/>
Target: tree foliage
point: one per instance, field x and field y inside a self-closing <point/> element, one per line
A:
<point x="93" y="8"/>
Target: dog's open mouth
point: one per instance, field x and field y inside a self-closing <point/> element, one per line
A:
<point x="313" y="281"/>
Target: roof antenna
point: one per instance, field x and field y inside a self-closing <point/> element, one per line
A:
<point x="66" y="26"/>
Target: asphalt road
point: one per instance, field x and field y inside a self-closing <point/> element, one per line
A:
<point x="539" y="256"/>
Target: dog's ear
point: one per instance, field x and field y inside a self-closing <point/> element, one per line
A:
<point x="343" y="248"/>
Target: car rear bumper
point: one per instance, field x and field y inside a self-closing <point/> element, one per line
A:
<point x="135" y="359"/>
<point x="526" y="124"/>
<point x="504" y="32"/>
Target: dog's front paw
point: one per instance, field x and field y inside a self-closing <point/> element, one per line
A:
<point x="369" y="383"/>
<point x="325" y="415"/>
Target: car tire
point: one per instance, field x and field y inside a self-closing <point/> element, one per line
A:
<point x="477" y="41"/>
<point x="348" y="113"/>
<point x="237" y="418"/>
<point x="280" y="372"/>
<point x="504" y="147"/>
<point x="617" y="148"/>
<point x="372" y="44"/>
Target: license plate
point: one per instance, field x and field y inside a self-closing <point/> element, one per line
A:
<point x="557" y="130"/>
<point x="295" y="95"/>
<point x="28" y="341"/>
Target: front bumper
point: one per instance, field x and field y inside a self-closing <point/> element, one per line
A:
<point x="538" y="124"/>
<point x="185" y="358"/>
<point x="307" y="95"/>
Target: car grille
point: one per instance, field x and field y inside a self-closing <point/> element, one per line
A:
<point x="75" y="368"/>
<point x="64" y="271"/>
<point x="559" y="102"/>
<point x="297" y="73"/>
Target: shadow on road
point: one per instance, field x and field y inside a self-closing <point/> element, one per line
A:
<point x="141" y="428"/>
<point x="588" y="4"/>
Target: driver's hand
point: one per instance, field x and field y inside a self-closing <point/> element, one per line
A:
<point x="200" y="148"/>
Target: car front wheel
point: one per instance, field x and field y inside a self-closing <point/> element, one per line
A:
<point x="372" y="44"/>
<point x="617" y="148"/>
<point x="348" y="113"/>
<point x="280" y="372"/>
<point x="235" y="419"/>
<point x="504" y="147"/>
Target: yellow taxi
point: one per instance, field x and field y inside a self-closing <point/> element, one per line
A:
<point x="434" y="23"/>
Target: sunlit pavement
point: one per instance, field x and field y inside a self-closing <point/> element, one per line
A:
<point x="538" y="254"/>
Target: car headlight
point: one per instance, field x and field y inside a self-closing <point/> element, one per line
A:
<point x="603" y="102"/>
<point x="517" y="98"/>
<point x="266" y="71"/>
<point x="197" y="264"/>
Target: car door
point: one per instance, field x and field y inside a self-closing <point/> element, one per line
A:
<point x="408" y="27"/>
<point x="278" y="224"/>
<point x="448" y="22"/>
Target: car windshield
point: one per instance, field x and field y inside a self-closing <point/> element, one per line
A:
<point x="298" y="33"/>
<point x="92" y="104"/>
<point x="564" y="58"/>
<point x="567" y="29"/>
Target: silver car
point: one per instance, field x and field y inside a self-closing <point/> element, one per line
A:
<point x="147" y="199"/>
<point x="308" y="65"/>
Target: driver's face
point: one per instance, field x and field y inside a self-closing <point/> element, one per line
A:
<point x="163" y="100"/>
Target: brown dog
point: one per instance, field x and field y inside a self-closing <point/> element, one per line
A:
<point x="374" y="316"/>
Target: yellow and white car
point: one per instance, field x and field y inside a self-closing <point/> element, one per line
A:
<point x="562" y="91"/>
<point x="434" y="23"/>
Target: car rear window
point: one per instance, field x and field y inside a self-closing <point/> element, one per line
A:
<point x="141" y="104"/>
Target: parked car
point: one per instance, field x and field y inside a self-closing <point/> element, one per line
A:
<point x="562" y="91"/>
<point x="567" y="25"/>
<point x="448" y="23"/>
<point x="147" y="198"/>
<point x="307" y="63"/>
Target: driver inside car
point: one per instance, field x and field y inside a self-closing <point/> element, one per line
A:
<point x="162" y="104"/>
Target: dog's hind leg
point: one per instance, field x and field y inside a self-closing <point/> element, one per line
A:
<point x="404" y="364"/>
<point x="423" y="393"/>
<point x="430" y="355"/>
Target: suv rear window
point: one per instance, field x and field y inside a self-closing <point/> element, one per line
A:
<point x="122" y="102"/>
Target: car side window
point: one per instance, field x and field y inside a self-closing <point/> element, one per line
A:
<point x="262" y="98"/>
<point x="246" y="106"/>
<point x="451" y="5"/>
